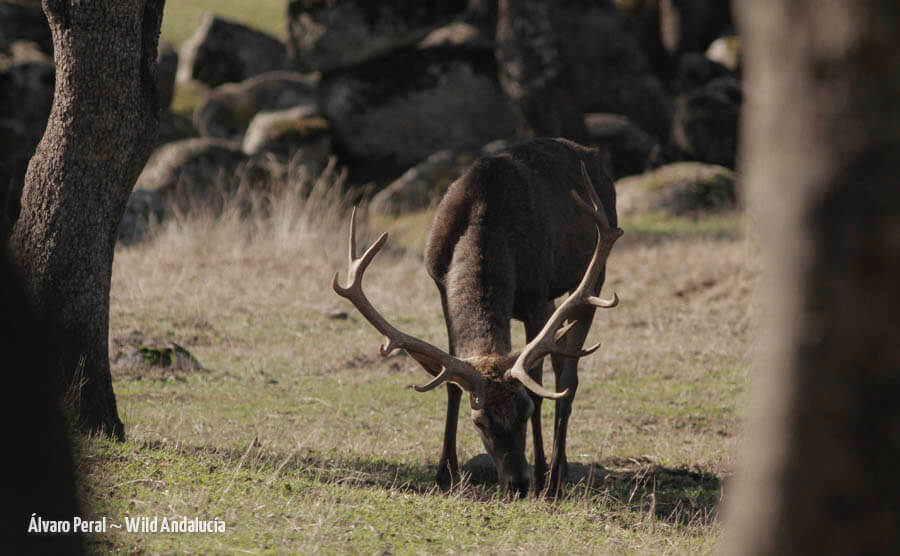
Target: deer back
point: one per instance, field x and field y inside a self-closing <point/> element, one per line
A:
<point x="508" y="236"/>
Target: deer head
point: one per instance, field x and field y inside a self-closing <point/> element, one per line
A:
<point x="496" y="383"/>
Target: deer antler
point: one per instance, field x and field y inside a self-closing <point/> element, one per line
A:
<point x="559" y="323"/>
<point x="435" y="360"/>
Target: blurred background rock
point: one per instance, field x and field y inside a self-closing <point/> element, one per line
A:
<point x="404" y="94"/>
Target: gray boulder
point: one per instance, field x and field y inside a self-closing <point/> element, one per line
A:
<point x="483" y="15"/>
<point x="222" y="51"/>
<point x="145" y="208"/>
<point x="705" y="126"/>
<point x="191" y="169"/>
<point x="282" y="131"/>
<point x="174" y="127"/>
<point x="611" y="73"/>
<point x="426" y="182"/>
<point x="228" y="109"/>
<point x="598" y="41"/>
<point x="396" y="110"/>
<point x="167" y="64"/>
<point x="24" y="20"/>
<point x="202" y="172"/>
<point x="631" y="150"/>
<point x="26" y="94"/>
<point x="421" y="185"/>
<point x="326" y="36"/>
<point x="298" y="136"/>
<point x="676" y="189"/>
<point x="690" y="25"/>
<point x="641" y="18"/>
<point x="695" y="70"/>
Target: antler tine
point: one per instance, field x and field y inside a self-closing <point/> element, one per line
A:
<point x="556" y="327"/>
<point x="441" y="378"/>
<point x="603" y="303"/>
<point x="351" y="248"/>
<point x="519" y="374"/>
<point x="433" y="359"/>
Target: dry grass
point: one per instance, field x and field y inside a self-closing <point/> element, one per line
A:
<point x="305" y="440"/>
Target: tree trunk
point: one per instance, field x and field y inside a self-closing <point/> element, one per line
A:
<point x="101" y="130"/>
<point x="534" y="72"/>
<point x="821" y="155"/>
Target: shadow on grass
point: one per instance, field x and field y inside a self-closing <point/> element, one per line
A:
<point x="673" y="495"/>
<point x="326" y="467"/>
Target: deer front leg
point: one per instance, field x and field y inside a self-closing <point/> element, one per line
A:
<point x="540" y="459"/>
<point x="533" y="325"/>
<point x="448" y="467"/>
<point x="567" y="378"/>
<point x="566" y="372"/>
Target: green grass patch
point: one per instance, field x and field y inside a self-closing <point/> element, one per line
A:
<point x="188" y="96"/>
<point x="311" y="502"/>
<point x="182" y="18"/>
<point x="655" y="226"/>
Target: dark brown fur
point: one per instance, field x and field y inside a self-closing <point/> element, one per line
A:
<point x="506" y="240"/>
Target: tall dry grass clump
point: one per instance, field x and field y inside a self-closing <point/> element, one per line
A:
<point x="261" y="251"/>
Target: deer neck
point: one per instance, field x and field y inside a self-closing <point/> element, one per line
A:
<point x="478" y="316"/>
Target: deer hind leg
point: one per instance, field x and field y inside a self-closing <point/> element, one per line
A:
<point x="533" y="325"/>
<point x="566" y="372"/>
<point x="448" y="466"/>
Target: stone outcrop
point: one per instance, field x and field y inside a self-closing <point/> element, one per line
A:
<point x="705" y="126"/>
<point x="677" y="189"/>
<point x="228" y="109"/>
<point x="611" y="73"/>
<point x="327" y="36"/>
<point x="222" y="51"/>
<point x="399" y="109"/>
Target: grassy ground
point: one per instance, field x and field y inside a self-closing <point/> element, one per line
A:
<point x="182" y="17"/>
<point x="303" y="439"/>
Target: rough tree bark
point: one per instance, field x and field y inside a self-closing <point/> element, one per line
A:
<point x="101" y="130"/>
<point x="821" y="140"/>
<point x="534" y="72"/>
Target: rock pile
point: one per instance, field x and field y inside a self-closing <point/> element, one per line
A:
<point x="404" y="93"/>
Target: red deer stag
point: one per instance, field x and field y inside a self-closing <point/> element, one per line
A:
<point x="510" y="236"/>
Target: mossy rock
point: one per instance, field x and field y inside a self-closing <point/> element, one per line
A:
<point x="172" y="356"/>
<point x="285" y="131"/>
<point x="677" y="189"/>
